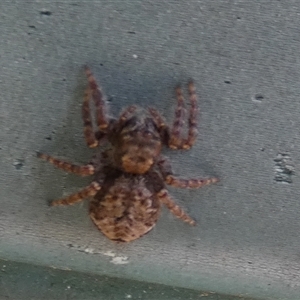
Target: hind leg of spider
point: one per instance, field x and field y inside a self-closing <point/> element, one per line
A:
<point x="88" y="130"/>
<point x="176" y="141"/>
<point x="175" y="209"/>
<point x="85" y="170"/>
<point x="101" y="115"/>
<point x="167" y="173"/>
<point x="88" y="191"/>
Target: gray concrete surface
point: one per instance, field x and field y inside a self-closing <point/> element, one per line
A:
<point x="37" y="282"/>
<point x="244" y="58"/>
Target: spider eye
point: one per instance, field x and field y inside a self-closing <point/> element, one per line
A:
<point x="147" y="134"/>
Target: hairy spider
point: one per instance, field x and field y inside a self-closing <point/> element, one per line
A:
<point x="129" y="178"/>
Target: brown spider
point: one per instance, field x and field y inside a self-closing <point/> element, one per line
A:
<point x="129" y="178"/>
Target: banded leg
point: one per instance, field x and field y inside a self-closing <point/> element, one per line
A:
<point x="175" y="209"/>
<point x="175" y="136"/>
<point x="85" y="170"/>
<point x="101" y="116"/>
<point x="124" y="116"/>
<point x="167" y="173"/>
<point x="192" y="133"/>
<point x="177" y="142"/>
<point x="160" y="123"/>
<point x="88" y="191"/>
<point x="89" y="134"/>
<point x="189" y="183"/>
<point x="158" y="119"/>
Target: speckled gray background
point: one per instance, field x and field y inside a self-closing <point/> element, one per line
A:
<point x="244" y="58"/>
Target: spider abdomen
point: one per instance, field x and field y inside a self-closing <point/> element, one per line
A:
<point x="126" y="209"/>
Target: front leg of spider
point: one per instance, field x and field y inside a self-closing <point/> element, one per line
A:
<point x="102" y="119"/>
<point x="176" y="140"/>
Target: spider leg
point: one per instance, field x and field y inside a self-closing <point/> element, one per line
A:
<point x="89" y="134"/>
<point x="101" y="116"/>
<point x="88" y="191"/>
<point x="192" y="133"/>
<point x="158" y="119"/>
<point x="189" y="183"/>
<point x="175" y="209"/>
<point x="126" y="114"/>
<point x="176" y="141"/>
<point x="160" y="123"/>
<point x="85" y="170"/>
<point x="167" y="173"/>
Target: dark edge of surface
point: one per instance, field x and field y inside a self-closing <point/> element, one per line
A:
<point x="26" y="281"/>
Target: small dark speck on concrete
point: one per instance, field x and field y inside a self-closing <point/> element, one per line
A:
<point x="131" y="32"/>
<point x="46" y="13"/>
<point x="32" y="26"/>
<point x="258" y="98"/>
<point x="19" y="163"/>
<point x="49" y="138"/>
<point x="227" y="81"/>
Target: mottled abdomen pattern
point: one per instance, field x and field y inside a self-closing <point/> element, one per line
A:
<point x="126" y="209"/>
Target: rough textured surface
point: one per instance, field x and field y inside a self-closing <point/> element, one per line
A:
<point x="23" y="281"/>
<point x="244" y="59"/>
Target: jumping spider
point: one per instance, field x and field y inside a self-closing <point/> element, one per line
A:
<point x="129" y="178"/>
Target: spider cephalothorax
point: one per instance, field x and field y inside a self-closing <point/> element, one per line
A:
<point x="136" y="144"/>
<point x="130" y="177"/>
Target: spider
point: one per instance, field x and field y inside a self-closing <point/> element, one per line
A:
<point x="130" y="177"/>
